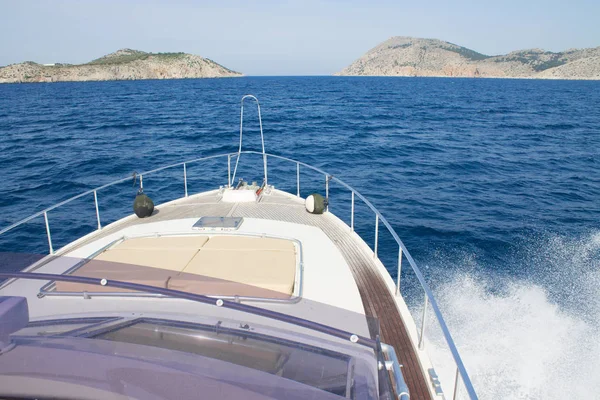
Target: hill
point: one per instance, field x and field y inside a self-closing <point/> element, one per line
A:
<point x="407" y="56"/>
<point x="124" y="64"/>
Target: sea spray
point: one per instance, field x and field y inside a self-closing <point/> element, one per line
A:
<point x="535" y="338"/>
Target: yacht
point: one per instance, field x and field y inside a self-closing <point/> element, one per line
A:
<point x="244" y="291"/>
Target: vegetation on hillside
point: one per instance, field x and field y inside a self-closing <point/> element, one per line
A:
<point x="466" y="53"/>
<point x="132" y="55"/>
<point x="549" y="64"/>
<point x="400" y="46"/>
<point x="539" y="61"/>
<point x="216" y="64"/>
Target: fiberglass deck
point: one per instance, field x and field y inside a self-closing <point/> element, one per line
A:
<point x="376" y="298"/>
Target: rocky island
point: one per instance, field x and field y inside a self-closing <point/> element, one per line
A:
<point x="407" y="56"/>
<point x="124" y="64"/>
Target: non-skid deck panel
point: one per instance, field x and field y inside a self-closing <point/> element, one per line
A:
<point x="179" y="210"/>
<point x="191" y="207"/>
<point x="377" y="300"/>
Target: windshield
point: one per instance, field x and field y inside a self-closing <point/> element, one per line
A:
<point x="249" y="338"/>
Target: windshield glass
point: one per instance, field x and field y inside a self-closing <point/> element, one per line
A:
<point x="247" y="328"/>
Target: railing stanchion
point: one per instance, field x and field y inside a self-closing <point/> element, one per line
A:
<point x="185" y="180"/>
<point x="352" y="213"/>
<point x="399" y="271"/>
<point x="141" y="182"/>
<point x="376" y="235"/>
<point x="327" y="192"/>
<point x="422" y="337"/>
<point x="265" y="163"/>
<point x="229" y="170"/>
<point x="97" y="210"/>
<point x="456" y="384"/>
<point x="297" y="179"/>
<point x="48" y="233"/>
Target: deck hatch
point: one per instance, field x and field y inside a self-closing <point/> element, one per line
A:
<point x="229" y="223"/>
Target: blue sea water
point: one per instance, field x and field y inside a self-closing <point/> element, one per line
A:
<point x="493" y="185"/>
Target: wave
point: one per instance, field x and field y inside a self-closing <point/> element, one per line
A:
<point x="531" y="338"/>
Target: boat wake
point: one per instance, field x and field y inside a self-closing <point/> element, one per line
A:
<point x="526" y="338"/>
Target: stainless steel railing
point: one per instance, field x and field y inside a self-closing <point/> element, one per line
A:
<point x="95" y="191"/>
<point x="461" y="371"/>
<point x="429" y="300"/>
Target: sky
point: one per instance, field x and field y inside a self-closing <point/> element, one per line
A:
<point x="284" y="37"/>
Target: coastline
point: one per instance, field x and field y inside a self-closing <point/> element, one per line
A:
<point x="538" y="78"/>
<point x="117" y="79"/>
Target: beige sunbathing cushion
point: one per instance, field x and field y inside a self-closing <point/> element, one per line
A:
<point x="248" y="243"/>
<point x="268" y="269"/>
<point x="225" y="265"/>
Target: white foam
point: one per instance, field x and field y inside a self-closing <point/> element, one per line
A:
<point x="517" y="338"/>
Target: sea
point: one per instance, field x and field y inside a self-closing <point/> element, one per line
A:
<point x="493" y="185"/>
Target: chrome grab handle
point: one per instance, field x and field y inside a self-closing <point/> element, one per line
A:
<point x="393" y="365"/>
